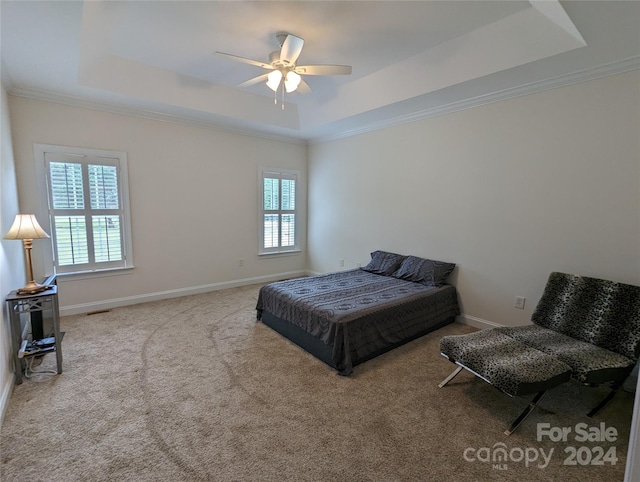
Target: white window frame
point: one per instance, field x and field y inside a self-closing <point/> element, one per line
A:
<point x="276" y="173"/>
<point x="45" y="214"/>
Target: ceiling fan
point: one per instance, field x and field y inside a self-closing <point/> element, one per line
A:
<point x="285" y="72"/>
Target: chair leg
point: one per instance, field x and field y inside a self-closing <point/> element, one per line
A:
<point x="532" y="405"/>
<point x="450" y="377"/>
<point x="605" y="400"/>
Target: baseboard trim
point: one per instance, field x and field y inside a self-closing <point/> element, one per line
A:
<point x="476" y="322"/>
<point x="176" y="293"/>
<point x="194" y="290"/>
<point x="4" y="398"/>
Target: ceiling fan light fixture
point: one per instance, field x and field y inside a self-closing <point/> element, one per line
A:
<point x="291" y="81"/>
<point x="284" y="72"/>
<point x="274" y="79"/>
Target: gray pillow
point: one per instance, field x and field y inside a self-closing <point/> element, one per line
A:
<point x="424" y="271"/>
<point x="384" y="263"/>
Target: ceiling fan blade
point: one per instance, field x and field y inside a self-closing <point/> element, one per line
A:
<point x="291" y="48"/>
<point x="254" y="81"/>
<point x="323" y="69"/>
<point x="246" y="61"/>
<point x="303" y="88"/>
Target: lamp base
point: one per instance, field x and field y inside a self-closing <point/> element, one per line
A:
<point x="31" y="288"/>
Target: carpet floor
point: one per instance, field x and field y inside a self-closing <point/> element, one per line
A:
<point x="193" y="388"/>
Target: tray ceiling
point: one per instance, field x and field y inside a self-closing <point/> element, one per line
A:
<point x="409" y="59"/>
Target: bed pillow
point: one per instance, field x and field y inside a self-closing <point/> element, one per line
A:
<point x="384" y="263"/>
<point x="424" y="271"/>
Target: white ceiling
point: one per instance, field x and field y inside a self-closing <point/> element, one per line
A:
<point x="410" y="59"/>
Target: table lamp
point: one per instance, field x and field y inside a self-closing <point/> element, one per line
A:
<point x="26" y="227"/>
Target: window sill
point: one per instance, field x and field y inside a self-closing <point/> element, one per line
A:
<point x="80" y="275"/>
<point x="277" y="254"/>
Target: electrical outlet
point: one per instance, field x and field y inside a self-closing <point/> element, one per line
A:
<point x="341" y="262"/>
<point x="241" y="262"/>
<point x="520" y="302"/>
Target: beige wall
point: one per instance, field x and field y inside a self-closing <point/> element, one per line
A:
<point x="194" y="200"/>
<point x="12" y="269"/>
<point x="509" y="191"/>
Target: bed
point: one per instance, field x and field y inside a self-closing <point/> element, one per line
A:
<point x="348" y="317"/>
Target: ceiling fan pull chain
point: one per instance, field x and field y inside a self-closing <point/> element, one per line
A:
<point x="282" y="95"/>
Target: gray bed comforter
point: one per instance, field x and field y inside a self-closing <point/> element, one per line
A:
<point x="358" y="313"/>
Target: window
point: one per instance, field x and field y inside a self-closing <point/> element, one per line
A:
<point x="87" y="206"/>
<point x="278" y="211"/>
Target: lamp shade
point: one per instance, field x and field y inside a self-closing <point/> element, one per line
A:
<point x="26" y="226"/>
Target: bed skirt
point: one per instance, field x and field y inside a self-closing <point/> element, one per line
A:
<point x="324" y="352"/>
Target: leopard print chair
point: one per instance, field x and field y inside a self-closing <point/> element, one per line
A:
<point x="585" y="329"/>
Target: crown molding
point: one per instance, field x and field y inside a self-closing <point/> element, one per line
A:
<point x="605" y="70"/>
<point x="114" y="108"/>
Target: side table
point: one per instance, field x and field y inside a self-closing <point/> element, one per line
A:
<point x="37" y="303"/>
